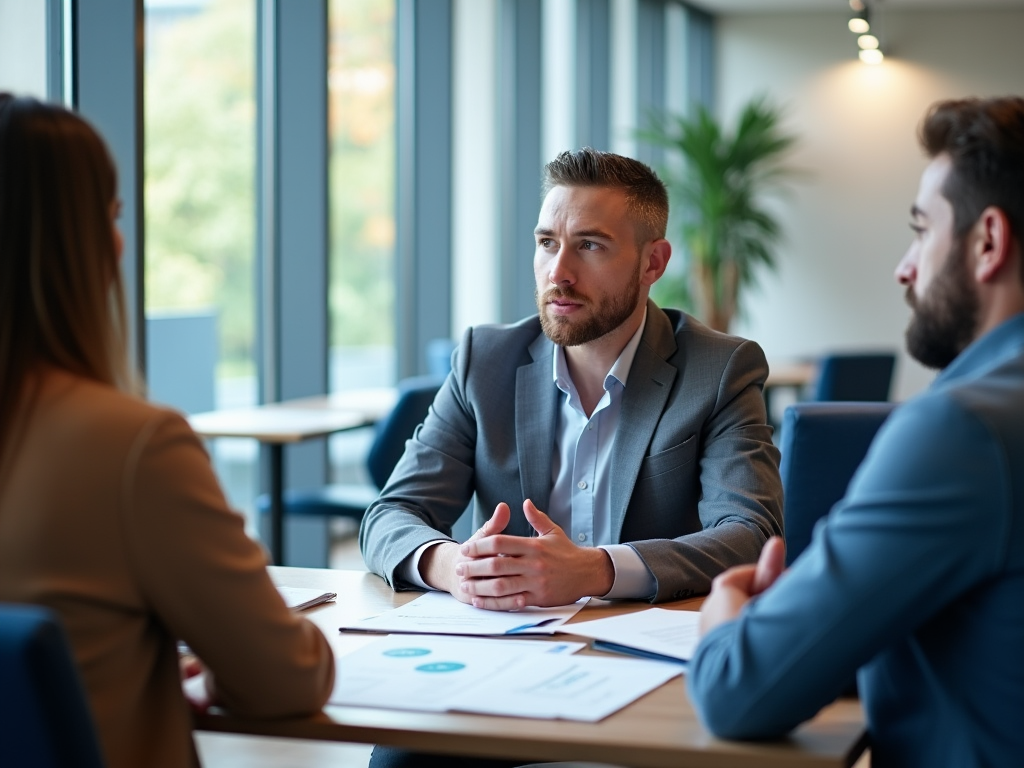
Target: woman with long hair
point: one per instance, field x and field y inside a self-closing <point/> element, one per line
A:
<point x="110" y="513"/>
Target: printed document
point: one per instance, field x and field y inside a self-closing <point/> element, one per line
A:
<point x="654" y="633"/>
<point x="518" y="678"/>
<point x="439" y="613"/>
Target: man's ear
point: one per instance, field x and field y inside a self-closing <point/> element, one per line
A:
<point x="991" y="244"/>
<point x="659" y="252"/>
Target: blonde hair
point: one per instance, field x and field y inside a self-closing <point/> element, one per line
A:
<point x="61" y="293"/>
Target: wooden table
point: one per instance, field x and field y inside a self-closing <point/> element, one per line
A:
<point x="657" y="731"/>
<point x="292" y="421"/>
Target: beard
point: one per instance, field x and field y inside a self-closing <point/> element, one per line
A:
<point x="603" y="318"/>
<point x="946" y="319"/>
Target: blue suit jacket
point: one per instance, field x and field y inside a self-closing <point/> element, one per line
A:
<point x="695" y="484"/>
<point x="916" y="578"/>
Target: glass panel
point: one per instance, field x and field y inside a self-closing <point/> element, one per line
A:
<point x="361" y="82"/>
<point x="200" y="164"/>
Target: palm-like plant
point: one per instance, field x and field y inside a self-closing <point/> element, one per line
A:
<point x="720" y="193"/>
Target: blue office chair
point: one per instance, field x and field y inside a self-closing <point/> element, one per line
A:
<point x="855" y="377"/>
<point x="45" y="721"/>
<point x="415" y="395"/>
<point x="822" y="445"/>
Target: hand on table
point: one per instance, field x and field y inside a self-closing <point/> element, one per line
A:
<point x="734" y="588"/>
<point x="439" y="563"/>
<point x="502" y="572"/>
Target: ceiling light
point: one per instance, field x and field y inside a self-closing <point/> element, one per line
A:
<point x="859" y="25"/>
<point x="871" y="56"/>
<point x="867" y="42"/>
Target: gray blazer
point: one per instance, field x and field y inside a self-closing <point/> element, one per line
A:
<point x="695" y="480"/>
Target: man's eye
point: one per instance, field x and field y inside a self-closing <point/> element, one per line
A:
<point x="545" y="242"/>
<point x="589" y="245"/>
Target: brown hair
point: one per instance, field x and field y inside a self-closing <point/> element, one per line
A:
<point x="646" y="196"/>
<point x="61" y="295"/>
<point x="985" y="140"/>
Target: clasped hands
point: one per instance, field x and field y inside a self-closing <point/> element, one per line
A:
<point x="500" y="572"/>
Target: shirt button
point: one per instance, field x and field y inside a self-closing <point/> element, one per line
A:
<point x="582" y="485"/>
<point x="582" y="537"/>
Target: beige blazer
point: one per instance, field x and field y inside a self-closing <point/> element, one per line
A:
<point x="110" y="514"/>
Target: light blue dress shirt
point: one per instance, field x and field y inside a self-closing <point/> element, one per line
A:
<point x="916" y="579"/>
<point x="580" y="502"/>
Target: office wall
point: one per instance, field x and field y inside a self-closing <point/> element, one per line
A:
<point x="846" y="222"/>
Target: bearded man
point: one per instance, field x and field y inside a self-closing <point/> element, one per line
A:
<point x="916" y="579"/>
<point x="613" y="448"/>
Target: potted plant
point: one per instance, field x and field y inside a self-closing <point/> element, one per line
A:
<point x="718" y="194"/>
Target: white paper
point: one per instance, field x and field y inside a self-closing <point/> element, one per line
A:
<point x="428" y="672"/>
<point x="655" y="630"/>
<point x="585" y="688"/>
<point x="439" y="613"/>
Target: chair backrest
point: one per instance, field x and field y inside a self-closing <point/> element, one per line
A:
<point x="822" y="444"/>
<point x="855" y="377"/>
<point x="45" y="721"/>
<point x="415" y="395"/>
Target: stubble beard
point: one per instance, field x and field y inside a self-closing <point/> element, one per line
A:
<point x="945" y="321"/>
<point x="602" y="320"/>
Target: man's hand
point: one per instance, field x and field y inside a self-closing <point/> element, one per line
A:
<point x="732" y="590"/>
<point x="508" y="572"/>
<point x="438" y="563"/>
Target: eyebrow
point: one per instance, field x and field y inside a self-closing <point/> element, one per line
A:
<point x="584" y="233"/>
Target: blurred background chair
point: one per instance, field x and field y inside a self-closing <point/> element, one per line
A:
<point x="822" y="444"/>
<point x="350" y="500"/>
<point x="855" y="377"/>
<point x="45" y="721"/>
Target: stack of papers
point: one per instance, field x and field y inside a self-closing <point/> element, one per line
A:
<point x="654" y="634"/>
<point x="439" y="613"/>
<point x="518" y="678"/>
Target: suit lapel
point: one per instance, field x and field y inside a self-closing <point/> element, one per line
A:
<point x="647" y="389"/>
<point x="536" y="403"/>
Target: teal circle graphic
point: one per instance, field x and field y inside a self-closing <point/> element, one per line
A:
<point x="405" y="653"/>
<point x="441" y="666"/>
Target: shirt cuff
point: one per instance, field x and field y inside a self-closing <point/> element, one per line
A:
<point x="409" y="569"/>
<point x="633" y="579"/>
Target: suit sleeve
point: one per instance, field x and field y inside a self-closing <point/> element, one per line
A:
<point x="432" y="484"/>
<point x="206" y="580"/>
<point x="922" y="522"/>
<point x="740" y="503"/>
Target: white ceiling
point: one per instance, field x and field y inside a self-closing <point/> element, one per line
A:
<point x="767" y="6"/>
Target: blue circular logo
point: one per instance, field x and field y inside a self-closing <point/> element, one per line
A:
<point x="441" y="666"/>
<point x="404" y="653"/>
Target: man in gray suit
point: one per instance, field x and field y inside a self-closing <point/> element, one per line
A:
<point x="614" y="448"/>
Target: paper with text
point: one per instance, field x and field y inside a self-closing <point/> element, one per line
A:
<point x="674" y="634"/>
<point x="429" y="672"/>
<point x="439" y="613"/>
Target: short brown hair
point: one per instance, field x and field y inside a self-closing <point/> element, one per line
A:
<point x="985" y="140"/>
<point x="646" y="196"/>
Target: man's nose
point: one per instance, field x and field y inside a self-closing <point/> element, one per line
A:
<point x="561" y="272"/>
<point x="906" y="270"/>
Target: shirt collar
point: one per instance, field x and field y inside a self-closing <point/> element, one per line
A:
<point x="1002" y="342"/>
<point x="619" y="370"/>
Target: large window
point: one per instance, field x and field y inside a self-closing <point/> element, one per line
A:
<point x="200" y="160"/>
<point x="361" y="83"/>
